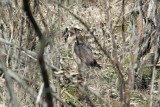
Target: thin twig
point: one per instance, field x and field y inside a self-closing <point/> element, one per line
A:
<point x="9" y="84"/>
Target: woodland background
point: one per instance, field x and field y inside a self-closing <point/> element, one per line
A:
<point x="38" y="67"/>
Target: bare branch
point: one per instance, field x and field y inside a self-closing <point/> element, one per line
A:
<point x="41" y="61"/>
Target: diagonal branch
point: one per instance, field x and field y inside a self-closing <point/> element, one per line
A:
<point x="48" y="96"/>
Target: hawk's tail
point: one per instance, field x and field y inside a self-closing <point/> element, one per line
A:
<point x="94" y="64"/>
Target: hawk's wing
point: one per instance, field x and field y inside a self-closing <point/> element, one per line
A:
<point x="83" y="52"/>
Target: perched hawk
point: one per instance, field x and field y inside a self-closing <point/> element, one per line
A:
<point x="84" y="53"/>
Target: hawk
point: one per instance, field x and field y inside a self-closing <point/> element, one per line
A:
<point x="84" y="52"/>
